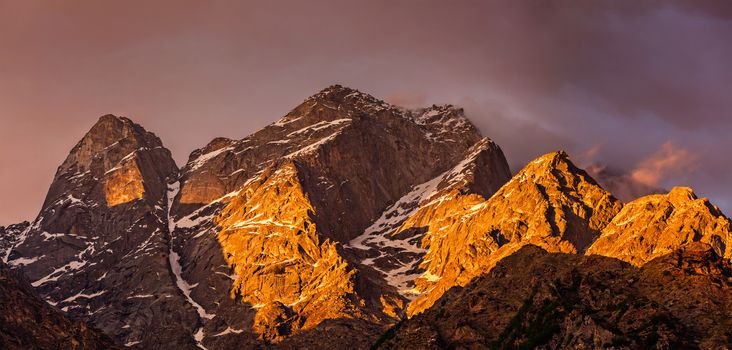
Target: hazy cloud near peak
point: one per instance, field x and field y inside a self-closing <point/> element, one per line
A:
<point x="669" y="160"/>
<point x="534" y="76"/>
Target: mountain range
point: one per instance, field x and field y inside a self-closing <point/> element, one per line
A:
<point x="353" y="223"/>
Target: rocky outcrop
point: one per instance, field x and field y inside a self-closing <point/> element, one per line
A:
<point x="535" y="299"/>
<point x="98" y="249"/>
<point x="656" y="225"/>
<point x="27" y="322"/>
<point x="9" y="236"/>
<point x="550" y="203"/>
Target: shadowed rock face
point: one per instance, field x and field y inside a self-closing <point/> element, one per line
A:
<point x="27" y="322"/>
<point x="9" y="236"/>
<point x="98" y="249"/>
<point x="536" y="299"/>
<point x="655" y="225"/>
<point x="357" y="155"/>
<point x="394" y="244"/>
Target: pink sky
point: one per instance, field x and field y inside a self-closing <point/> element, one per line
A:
<point x="619" y="77"/>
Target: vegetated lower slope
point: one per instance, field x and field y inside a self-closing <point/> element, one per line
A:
<point x="535" y="299"/>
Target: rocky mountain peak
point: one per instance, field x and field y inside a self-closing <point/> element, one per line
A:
<point x="655" y="225"/>
<point x="439" y="120"/>
<point x="349" y="102"/>
<point x="554" y="161"/>
<point x="554" y="174"/>
<point x="550" y="203"/>
<point x="123" y="154"/>
<point x="679" y="196"/>
<point x="103" y="218"/>
<point x="443" y="122"/>
<point x="342" y="94"/>
<point x="109" y="132"/>
<point x="113" y="126"/>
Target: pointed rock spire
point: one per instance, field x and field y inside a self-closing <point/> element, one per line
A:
<point x="100" y="239"/>
<point x="130" y="160"/>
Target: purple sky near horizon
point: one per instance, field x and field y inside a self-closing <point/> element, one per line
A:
<point x="641" y="86"/>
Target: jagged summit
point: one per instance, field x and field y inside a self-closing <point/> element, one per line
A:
<point x="330" y="119"/>
<point x="556" y="168"/>
<point x="439" y="120"/>
<point x="119" y="151"/>
<point x="98" y="241"/>
<point x="108" y="134"/>
<point x="655" y="225"/>
<point x="437" y="114"/>
<point x="110" y="128"/>
<point x="679" y="196"/>
<point x="339" y="93"/>
<point x="335" y="90"/>
<point x="551" y="161"/>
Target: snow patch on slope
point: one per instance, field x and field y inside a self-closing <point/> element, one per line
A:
<point x="21" y="238"/>
<point x="177" y="269"/>
<point x="198" y="337"/>
<point x="380" y="235"/>
<point x="184" y="286"/>
<point x="202" y="159"/>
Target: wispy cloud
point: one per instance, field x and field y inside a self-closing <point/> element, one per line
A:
<point x="668" y="161"/>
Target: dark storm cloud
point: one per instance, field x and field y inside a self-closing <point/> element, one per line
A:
<point x="622" y="77"/>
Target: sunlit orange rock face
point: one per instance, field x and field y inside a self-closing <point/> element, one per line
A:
<point x="550" y="203"/>
<point x="394" y="244"/>
<point x="284" y="268"/>
<point x="655" y="225"/>
<point x="123" y="184"/>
